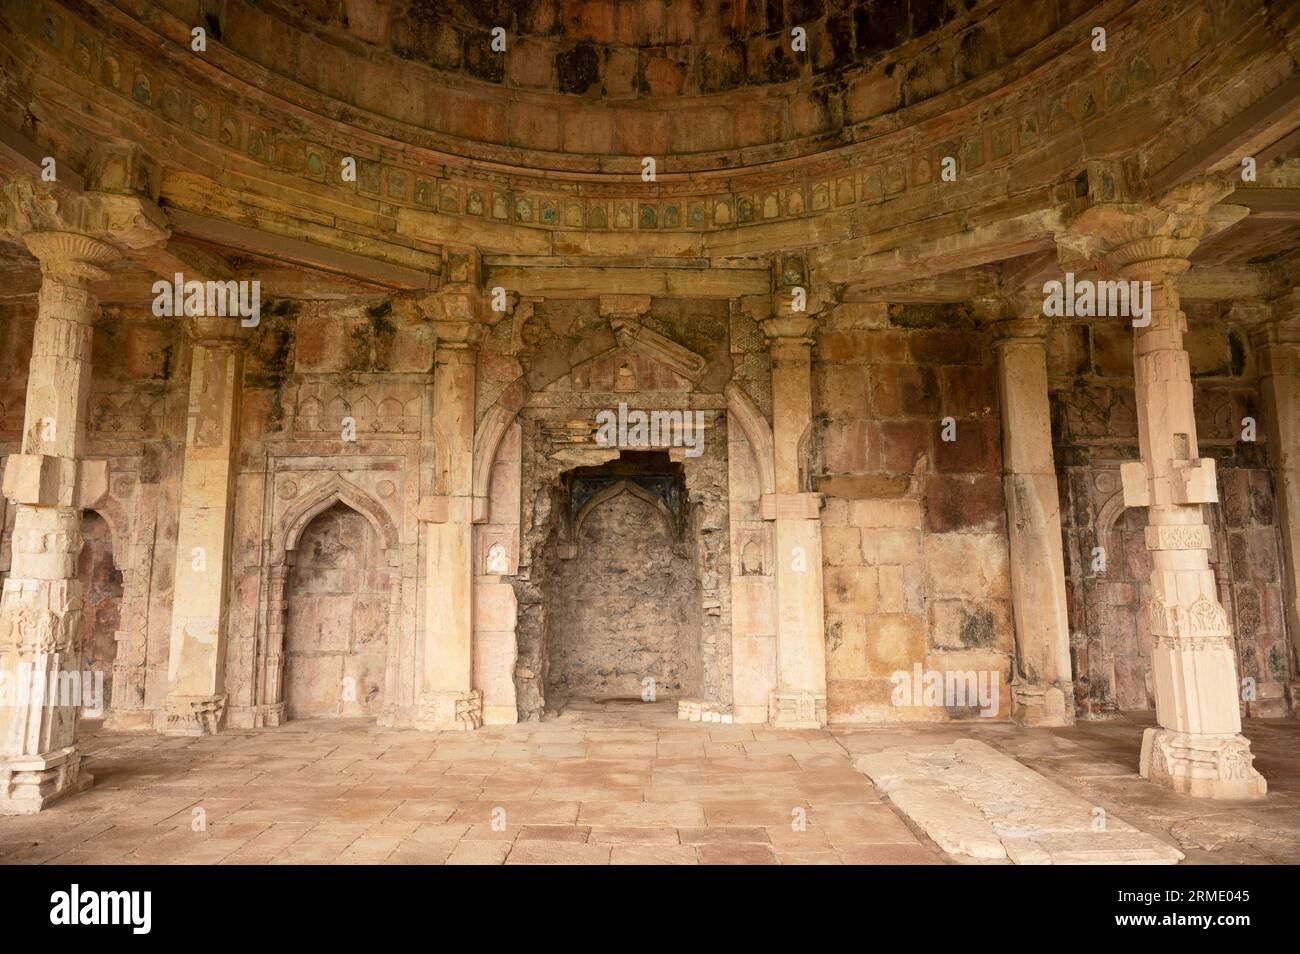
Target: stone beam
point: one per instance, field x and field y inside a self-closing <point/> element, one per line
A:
<point x="578" y="281"/>
<point x="1250" y="132"/>
<point x="25" y="157"/>
<point x="957" y="286"/>
<point x="927" y="256"/>
<point x="299" y="252"/>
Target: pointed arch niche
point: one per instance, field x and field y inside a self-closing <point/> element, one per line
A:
<point x="271" y="704"/>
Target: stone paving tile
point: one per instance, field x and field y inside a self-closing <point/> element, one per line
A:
<point x="590" y="789"/>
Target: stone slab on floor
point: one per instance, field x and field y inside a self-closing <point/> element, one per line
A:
<point x="979" y="804"/>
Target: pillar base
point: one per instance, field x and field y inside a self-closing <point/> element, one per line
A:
<point x="1207" y="766"/>
<point x="1041" y="706"/>
<point x="191" y="715"/>
<point x="796" y="709"/>
<point x="257" y="717"/>
<point x="451" y="711"/>
<point x="29" y="783"/>
<point x="129" y="720"/>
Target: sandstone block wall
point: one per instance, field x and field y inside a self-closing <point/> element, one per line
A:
<point x="914" y="527"/>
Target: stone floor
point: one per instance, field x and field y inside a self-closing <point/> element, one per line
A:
<point x="621" y="783"/>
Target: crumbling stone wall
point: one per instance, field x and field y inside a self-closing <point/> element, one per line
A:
<point x="557" y="434"/>
<point x="1094" y="429"/>
<point x="914" y="527"/>
<point x="625" y="606"/>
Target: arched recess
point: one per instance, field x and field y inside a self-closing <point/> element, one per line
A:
<point x="270" y="706"/>
<point x="757" y="432"/>
<point x="336" y="490"/>
<point x="615" y="490"/>
<point x="103" y="594"/>
<point x="1107" y="517"/>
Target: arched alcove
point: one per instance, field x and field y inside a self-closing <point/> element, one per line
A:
<point x="623" y="599"/>
<point x="101" y="592"/>
<point x="337" y="598"/>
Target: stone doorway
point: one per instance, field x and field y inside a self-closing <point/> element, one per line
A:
<point x="101" y="588"/>
<point x="623" y="599"/>
<point x="337" y="597"/>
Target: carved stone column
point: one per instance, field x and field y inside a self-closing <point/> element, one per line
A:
<point x="448" y="699"/>
<point x="74" y="237"/>
<point x="1198" y="747"/>
<point x="799" y="700"/>
<point x="41" y="609"/>
<point x="1042" y="690"/>
<point x="196" y="697"/>
<point x="1277" y="347"/>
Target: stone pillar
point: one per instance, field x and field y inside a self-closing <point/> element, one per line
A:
<point x="196" y="697"/>
<point x="448" y="698"/>
<point x="51" y="483"/>
<point x="799" y="700"/>
<point x="1042" y="690"/>
<point x="1277" y="347"/>
<point x="1198" y="748"/>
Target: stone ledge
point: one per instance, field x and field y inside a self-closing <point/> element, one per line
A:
<point x="980" y="805"/>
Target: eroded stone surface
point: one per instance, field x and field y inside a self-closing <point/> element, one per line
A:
<point x="977" y="802"/>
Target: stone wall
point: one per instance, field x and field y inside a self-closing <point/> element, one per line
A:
<point x="1094" y="430"/>
<point x="914" y="526"/>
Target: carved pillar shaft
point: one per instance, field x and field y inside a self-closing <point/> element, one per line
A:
<point x="196" y="698"/>
<point x="1198" y="748"/>
<point x="799" y="700"/>
<point x="1277" y="346"/>
<point x="41" y="607"/>
<point x="1043" y="692"/>
<point x="448" y="699"/>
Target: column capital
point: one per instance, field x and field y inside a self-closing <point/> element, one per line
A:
<point x="1149" y="240"/>
<point x="624" y="306"/>
<point x="789" y="329"/>
<point x="70" y="257"/>
<point x="458" y="315"/>
<point x="120" y="221"/>
<point x="217" y="332"/>
<point x="1029" y="329"/>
